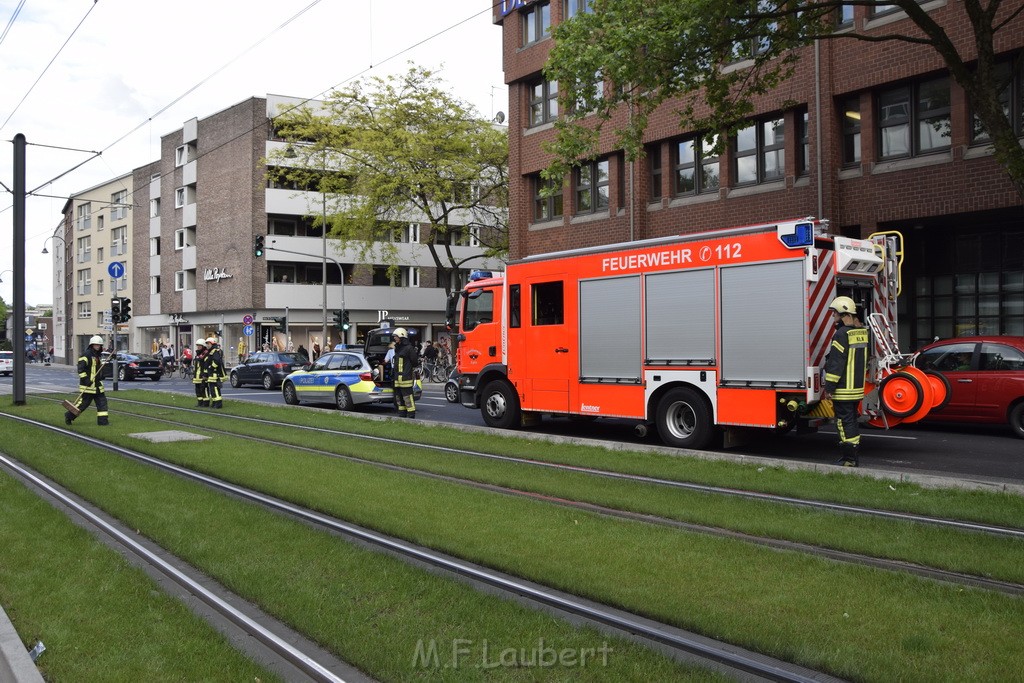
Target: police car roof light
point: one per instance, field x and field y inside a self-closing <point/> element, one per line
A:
<point x="480" y="275"/>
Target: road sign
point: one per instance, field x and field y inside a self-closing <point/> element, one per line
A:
<point x="116" y="269"/>
<point x="248" y="330"/>
<point x="247" y="319"/>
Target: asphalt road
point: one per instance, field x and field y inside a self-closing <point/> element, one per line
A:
<point x="981" y="453"/>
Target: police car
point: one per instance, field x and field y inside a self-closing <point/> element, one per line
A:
<point x="344" y="378"/>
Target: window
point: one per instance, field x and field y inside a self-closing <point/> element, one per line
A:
<point x="413" y="233"/>
<point x="99" y="286"/>
<point x="999" y="358"/>
<point x="548" y="303"/>
<point x="545" y="208"/>
<point x="591" y="181"/>
<point x="179" y="281"/>
<point x="84" y="310"/>
<point x="536" y="22"/>
<point x="154" y="246"/>
<point x="84" y="249"/>
<point x="914" y="119"/>
<point x="179" y="198"/>
<point x="182" y="155"/>
<point x="694" y="170"/>
<point x="479" y="309"/>
<point x="119" y="205"/>
<point x="760" y="152"/>
<point x="381" y="277"/>
<point x="654" y="171"/>
<point x="1012" y="100"/>
<point x="849" y="110"/>
<point x="515" y="314"/>
<point x="574" y="7"/>
<point x="184" y="237"/>
<point x="154" y="208"/>
<point x="119" y="241"/>
<point x="803" y="147"/>
<point x="154" y="284"/>
<point x="543" y="102"/>
<point x="844" y="16"/>
<point x="85" y="281"/>
<point x="99" y="222"/>
<point x="99" y="254"/>
<point x="84" y="219"/>
<point x="410" y="276"/>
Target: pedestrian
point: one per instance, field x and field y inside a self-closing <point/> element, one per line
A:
<point x="241" y="349"/>
<point x="215" y="373"/>
<point x="406" y="356"/>
<point x="303" y="352"/>
<point x="430" y="359"/>
<point x="316" y="350"/>
<point x="90" y="385"/>
<point x="199" y="375"/>
<point x="845" y="369"/>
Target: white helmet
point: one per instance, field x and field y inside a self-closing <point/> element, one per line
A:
<point x="210" y="341"/>
<point x="96" y="339"/>
<point x="400" y="333"/>
<point x="843" y="305"/>
<point x="201" y="342"/>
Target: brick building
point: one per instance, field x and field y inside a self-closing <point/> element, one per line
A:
<point x="880" y="139"/>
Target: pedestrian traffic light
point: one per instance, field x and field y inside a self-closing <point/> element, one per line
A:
<point x="126" y="309"/>
<point x="257" y="249"/>
<point x="282" y="322"/>
<point x="115" y="310"/>
<point x="339" y="319"/>
<point x="344" y="320"/>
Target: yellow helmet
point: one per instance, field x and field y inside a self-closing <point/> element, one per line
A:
<point x="843" y="305"/>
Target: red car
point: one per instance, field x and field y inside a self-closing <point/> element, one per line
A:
<point x="986" y="379"/>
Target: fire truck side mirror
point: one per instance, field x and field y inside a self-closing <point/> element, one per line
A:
<point x="461" y="336"/>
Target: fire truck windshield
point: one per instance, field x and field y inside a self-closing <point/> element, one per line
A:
<point x="478" y="309"/>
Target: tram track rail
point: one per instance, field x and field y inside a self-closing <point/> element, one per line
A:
<point x="680" y="644"/>
<point x="961" y="525"/>
<point x="933" y="573"/>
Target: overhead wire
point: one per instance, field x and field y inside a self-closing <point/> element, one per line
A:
<point x="39" y="78"/>
<point x="10" y="22"/>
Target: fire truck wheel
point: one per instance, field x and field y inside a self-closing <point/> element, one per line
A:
<point x="499" y="405"/>
<point x="684" y="420"/>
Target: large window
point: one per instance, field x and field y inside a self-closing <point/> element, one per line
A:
<point x="547" y="200"/>
<point x="914" y="119"/>
<point x="543" y="102"/>
<point x="591" y="183"/>
<point x="574" y="7"/>
<point x="759" y="152"/>
<point x="849" y="111"/>
<point x="1011" y="98"/>
<point x="694" y="167"/>
<point x="548" y="304"/>
<point x="83" y="220"/>
<point x="119" y="205"/>
<point x="536" y="22"/>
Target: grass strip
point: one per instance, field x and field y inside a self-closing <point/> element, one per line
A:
<point x="854" y="622"/>
<point x="392" y="620"/>
<point x="944" y="548"/>
<point x="100" y="618"/>
<point x="987" y="507"/>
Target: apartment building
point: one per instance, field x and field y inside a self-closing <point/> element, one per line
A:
<point x="200" y="207"/>
<point x="880" y="138"/>
<point x="93" y="235"/>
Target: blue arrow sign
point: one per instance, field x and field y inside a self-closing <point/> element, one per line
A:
<point x="116" y="269"/>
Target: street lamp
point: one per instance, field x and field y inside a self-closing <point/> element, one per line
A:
<point x="52" y="237"/>
<point x="2" y="275"/>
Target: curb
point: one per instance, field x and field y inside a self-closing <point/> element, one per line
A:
<point x="15" y="664"/>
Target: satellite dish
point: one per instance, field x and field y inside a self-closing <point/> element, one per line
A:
<point x="499" y="117"/>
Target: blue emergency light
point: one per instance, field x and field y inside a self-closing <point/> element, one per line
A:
<point x="480" y="275"/>
<point x="795" y="235"/>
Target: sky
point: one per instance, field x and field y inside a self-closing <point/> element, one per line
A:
<point x="112" y="76"/>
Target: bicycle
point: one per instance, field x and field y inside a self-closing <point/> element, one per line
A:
<point x="184" y="370"/>
<point x="442" y="368"/>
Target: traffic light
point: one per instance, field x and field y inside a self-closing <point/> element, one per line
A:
<point x="126" y="309"/>
<point x="339" y="319"/>
<point x="257" y="248"/>
<point x="344" y="320"/>
<point x="115" y="310"/>
<point x="282" y="322"/>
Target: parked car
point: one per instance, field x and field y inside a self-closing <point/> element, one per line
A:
<point x="451" y="387"/>
<point x="344" y="378"/>
<point x="986" y="379"/>
<point x="6" y="362"/>
<point x="266" y="368"/>
<point x="132" y="366"/>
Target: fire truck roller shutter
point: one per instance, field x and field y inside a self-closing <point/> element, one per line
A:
<point x="764" y="332"/>
<point x="680" y="317"/>
<point x="610" y="330"/>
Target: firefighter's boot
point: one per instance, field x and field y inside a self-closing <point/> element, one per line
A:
<point x="851" y="457"/>
<point x="68" y="418"/>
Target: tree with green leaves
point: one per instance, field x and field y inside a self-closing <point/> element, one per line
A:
<point x="392" y="151"/>
<point x="711" y="59"/>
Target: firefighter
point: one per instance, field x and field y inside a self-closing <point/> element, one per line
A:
<point x="845" y="369"/>
<point x="215" y="373"/>
<point x="405" y="361"/>
<point x="199" y="375"/>
<point x="90" y="386"/>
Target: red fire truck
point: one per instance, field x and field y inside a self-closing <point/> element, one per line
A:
<point x="696" y="332"/>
